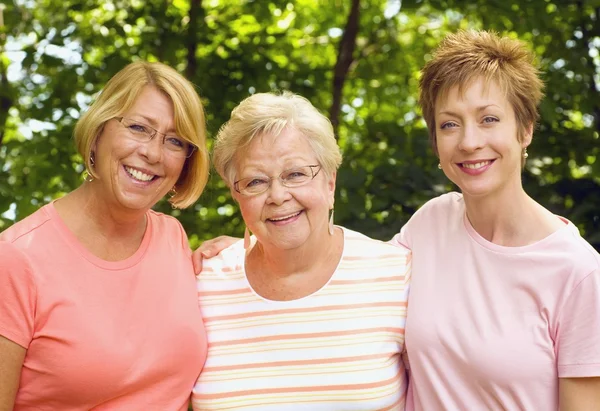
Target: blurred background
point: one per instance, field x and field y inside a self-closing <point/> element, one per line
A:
<point x="357" y="60"/>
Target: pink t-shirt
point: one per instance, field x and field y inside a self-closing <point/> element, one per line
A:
<point x="100" y="335"/>
<point x="492" y="327"/>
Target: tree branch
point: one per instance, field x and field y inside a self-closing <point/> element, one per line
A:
<point x="586" y="38"/>
<point x="344" y="61"/>
<point x="192" y="38"/>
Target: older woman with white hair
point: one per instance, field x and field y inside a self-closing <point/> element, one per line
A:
<point x="303" y="314"/>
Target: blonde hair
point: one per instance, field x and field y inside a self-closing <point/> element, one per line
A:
<point x="119" y="95"/>
<point x="465" y="56"/>
<point x="270" y="113"/>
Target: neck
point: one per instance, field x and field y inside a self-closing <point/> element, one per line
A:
<point x="510" y="217"/>
<point x="86" y="206"/>
<point x="285" y="263"/>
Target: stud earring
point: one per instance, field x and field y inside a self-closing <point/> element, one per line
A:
<point x="440" y="166"/>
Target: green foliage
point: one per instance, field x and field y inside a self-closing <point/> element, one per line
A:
<point x="70" y="48"/>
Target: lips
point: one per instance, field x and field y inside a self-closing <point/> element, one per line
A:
<point x="285" y="217"/>
<point x="139" y="175"/>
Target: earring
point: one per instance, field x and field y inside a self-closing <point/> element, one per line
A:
<point x="246" y="239"/>
<point x="88" y="177"/>
<point x="172" y="193"/>
<point x="440" y="166"/>
<point x="331" y="223"/>
<point x="525" y="154"/>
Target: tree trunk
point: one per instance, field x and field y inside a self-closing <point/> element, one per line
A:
<point x="192" y="38"/>
<point x="343" y="63"/>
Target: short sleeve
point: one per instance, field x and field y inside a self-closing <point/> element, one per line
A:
<point x="578" y="339"/>
<point x="17" y="295"/>
<point x="402" y="238"/>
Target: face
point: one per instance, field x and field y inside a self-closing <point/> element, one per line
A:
<point x="282" y="217"/>
<point x="131" y="174"/>
<point x="477" y="140"/>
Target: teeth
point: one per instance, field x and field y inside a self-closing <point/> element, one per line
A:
<point x="285" y="218"/>
<point x="138" y="175"/>
<point x="476" y="165"/>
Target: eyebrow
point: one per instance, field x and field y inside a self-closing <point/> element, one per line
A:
<point x="478" y="109"/>
<point x="153" y="123"/>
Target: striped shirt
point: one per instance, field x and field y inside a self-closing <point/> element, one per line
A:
<point x="336" y="349"/>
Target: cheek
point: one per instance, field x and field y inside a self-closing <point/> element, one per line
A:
<point x="250" y="209"/>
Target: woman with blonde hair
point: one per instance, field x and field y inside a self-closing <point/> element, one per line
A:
<point x="97" y="299"/>
<point x="304" y="314"/>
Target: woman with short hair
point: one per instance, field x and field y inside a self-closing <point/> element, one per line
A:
<point x="305" y="314"/>
<point x="505" y="300"/>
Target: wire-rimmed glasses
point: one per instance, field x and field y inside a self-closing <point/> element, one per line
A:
<point x="143" y="133"/>
<point x="292" y="177"/>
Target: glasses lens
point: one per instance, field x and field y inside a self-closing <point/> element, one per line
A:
<point x="138" y="131"/>
<point x="298" y="176"/>
<point x="253" y="185"/>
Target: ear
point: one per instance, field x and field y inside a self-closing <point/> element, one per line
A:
<point x="527" y="136"/>
<point x="331" y="189"/>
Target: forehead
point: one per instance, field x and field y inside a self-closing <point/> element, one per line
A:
<point x="268" y="152"/>
<point x="477" y="91"/>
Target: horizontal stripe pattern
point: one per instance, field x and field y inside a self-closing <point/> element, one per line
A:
<point x="338" y="348"/>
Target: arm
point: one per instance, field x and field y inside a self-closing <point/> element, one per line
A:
<point x="11" y="362"/>
<point x="17" y="308"/>
<point x="579" y="394"/>
<point x="209" y="249"/>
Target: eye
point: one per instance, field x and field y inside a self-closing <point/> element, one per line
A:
<point x="139" y="128"/>
<point x="448" y="124"/>
<point x="175" y="142"/>
<point x="253" y="182"/>
<point x="295" y="174"/>
<point x="490" y="119"/>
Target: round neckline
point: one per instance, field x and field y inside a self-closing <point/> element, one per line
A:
<point x="475" y="236"/>
<point x="69" y="237"/>
<point x="296" y="300"/>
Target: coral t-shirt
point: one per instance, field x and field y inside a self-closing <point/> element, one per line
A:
<point x="492" y="327"/>
<point x="125" y="335"/>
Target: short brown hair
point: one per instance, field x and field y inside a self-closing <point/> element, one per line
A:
<point x="465" y="56"/>
<point x="119" y="95"/>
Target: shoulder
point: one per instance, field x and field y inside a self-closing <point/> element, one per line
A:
<point x="568" y="243"/>
<point x="33" y="226"/>
<point x="358" y="245"/>
<point x="440" y="212"/>
<point x="11" y="254"/>
<point x="444" y="205"/>
<point x="229" y="259"/>
<point x="16" y="266"/>
<point x="164" y="220"/>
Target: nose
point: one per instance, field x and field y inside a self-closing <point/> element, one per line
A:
<point x="278" y="193"/>
<point x="470" y="138"/>
<point x="153" y="149"/>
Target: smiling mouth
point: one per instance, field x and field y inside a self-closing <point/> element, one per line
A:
<point x="475" y="166"/>
<point x="285" y="217"/>
<point x="138" y="175"/>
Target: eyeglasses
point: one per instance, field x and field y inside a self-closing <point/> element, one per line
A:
<point x="143" y="133"/>
<point x="293" y="177"/>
